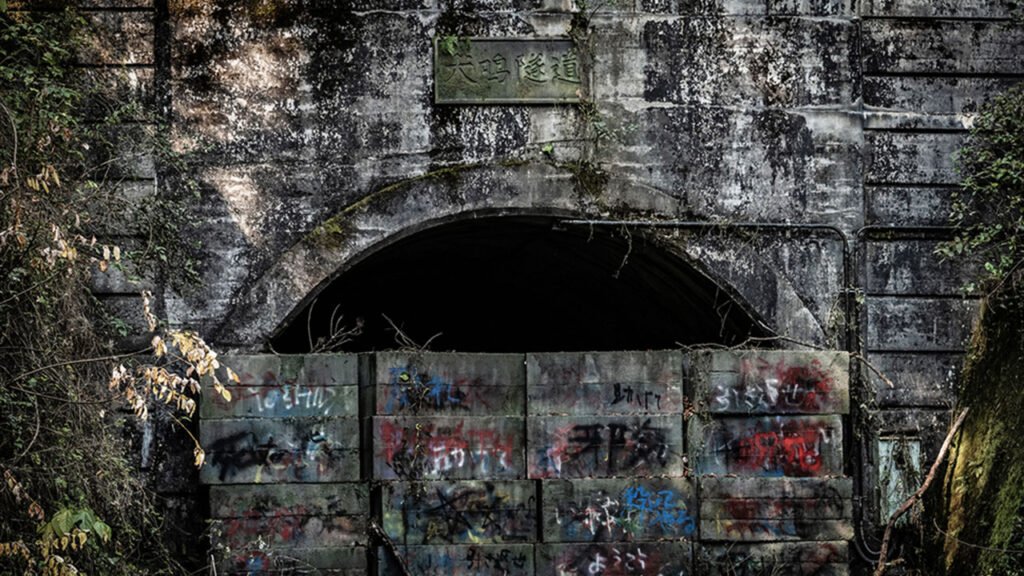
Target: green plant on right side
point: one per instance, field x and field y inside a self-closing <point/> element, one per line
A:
<point x="988" y="210"/>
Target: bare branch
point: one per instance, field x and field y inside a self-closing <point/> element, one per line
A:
<point x="916" y="496"/>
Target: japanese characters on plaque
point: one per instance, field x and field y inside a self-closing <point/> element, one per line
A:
<point x="506" y="70"/>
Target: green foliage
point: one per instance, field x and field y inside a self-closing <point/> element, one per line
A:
<point x="985" y="480"/>
<point x="452" y="45"/>
<point x="989" y="208"/>
<point x="71" y="502"/>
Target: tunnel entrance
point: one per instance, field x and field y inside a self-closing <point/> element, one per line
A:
<point x="505" y="284"/>
<point x="567" y="433"/>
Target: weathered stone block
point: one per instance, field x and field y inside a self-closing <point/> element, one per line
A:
<point x="936" y="8"/>
<point x="450" y="384"/>
<point x="912" y="267"/>
<point x="897" y="324"/>
<point x="773" y="509"/>
<point x="268" y="501"/>
<point x="918" y="46"/>
<point x="466" y="512"/>
<point x="911" y="158"/>
<point x="908" y="205"/>
<point x="128" y="92"/>
<point x="605" y="446"/>
<point x="770" y="382"/>
<point x="790" y="558"/>
<point x="434" y="448"/>
<point x="768" y="446"/>
<point x="475" y="560"/>
<point x="604" y="383"/>
<point x="916" y="379"/>
<point x="345" y="560"/>
<point x="927" y="102"/>
<point x="633" y="558"/>
<point x="242" y="451"/>
<point x="739" y="61"/>
<point x="619" y="509"/>
<point x="767" y="165"/>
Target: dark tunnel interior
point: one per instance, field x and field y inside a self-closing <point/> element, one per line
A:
<point x="516" y="284"/>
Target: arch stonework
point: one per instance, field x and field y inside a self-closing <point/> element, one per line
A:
<point x="761" y="283"/>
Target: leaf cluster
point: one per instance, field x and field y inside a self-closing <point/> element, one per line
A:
<point x="71" y="501"/>
<point x="988" y="210"/>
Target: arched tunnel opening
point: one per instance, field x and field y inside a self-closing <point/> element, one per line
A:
<point x="514" y="284"/>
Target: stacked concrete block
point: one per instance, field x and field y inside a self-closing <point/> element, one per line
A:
<point x="767" y="440"/>
<point x="283" y="462"/>
<point x="448" y="444"/>
<point x="605" y="438"/>
<point x="557" y="463"/>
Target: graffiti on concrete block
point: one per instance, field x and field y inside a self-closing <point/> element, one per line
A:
<point x="637" y="396"/>
<point x="776" y="509"/>
<point x="779" y="446"/>
<point x="616" y="510"/>
<point x="436" y="448"/>
<point x="291" y="400"/>
<point x="796" y="559"/>
<point x="604" y="383"/>
<point x="260" y="559"/>
<point x="472" y="512"/>
<point x="462" y="560"/>
<point x="410" y="390"/>
<point x="449" y="385"/>
<point x="775" y="387"/>
<point x="616" y="559"/>
<point x="291" y="527"/>
<point x="278" y="451"/>
<point x="600" y="446"/>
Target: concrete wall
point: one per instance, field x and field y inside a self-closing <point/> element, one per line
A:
<point x="312" y="133"/>
<point x="637" y="463"/>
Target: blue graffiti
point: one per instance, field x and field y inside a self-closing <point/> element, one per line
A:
<point x="658" y="509"/>
<point x="414" y="390"/>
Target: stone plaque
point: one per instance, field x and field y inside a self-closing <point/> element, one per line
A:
<point x="506" y="71"/>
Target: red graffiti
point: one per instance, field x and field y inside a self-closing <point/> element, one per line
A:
<point x="795" y="450"/>
<point x="426" y="449"/>
<point x="285" y="524"/>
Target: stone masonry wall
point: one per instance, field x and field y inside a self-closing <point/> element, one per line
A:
<point x="310" y="129"/>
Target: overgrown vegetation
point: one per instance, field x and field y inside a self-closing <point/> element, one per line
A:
<point x="71" y="499"/>
<point x="983" y="531"/>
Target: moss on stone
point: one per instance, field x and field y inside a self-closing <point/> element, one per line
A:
<point x="334" y="232"/>
<point x="985" y="482"/>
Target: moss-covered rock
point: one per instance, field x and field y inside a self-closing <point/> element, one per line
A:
<point x="985" y="481"/>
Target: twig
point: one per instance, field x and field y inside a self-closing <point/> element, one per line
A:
<point x="916" y="496"/>
<point x="24" y="375"/>
<point x="873" y="368"/>
<point x="35" y="435"/>
<point x="403" y="339"/>
<point x="14" y="135"/>
<point x="30" y="288"/>
<point x="970" y="545"/>
<point x="379" y="533"/>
